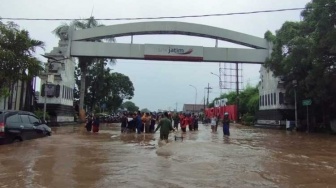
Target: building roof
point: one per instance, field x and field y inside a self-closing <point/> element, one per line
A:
<point x="190" y="107"/>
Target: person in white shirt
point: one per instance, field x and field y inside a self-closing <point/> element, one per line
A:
<point x="213" y="123"/>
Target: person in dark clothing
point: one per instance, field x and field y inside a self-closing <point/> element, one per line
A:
<point x="132" y="123"/>
<point x="138" y="123"/>
<point x="124" y="122"/>
<point x="176" y="119"/>
<point x="196" y="123"/>
<point x="226" y="124"/>
<point x="88" y="125"/>
<point x="165" y="126"/>
<point x="152" y="123"/>
<point x="192" y="121"/>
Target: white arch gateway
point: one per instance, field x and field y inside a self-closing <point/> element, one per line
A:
<point x="78" y="43"/>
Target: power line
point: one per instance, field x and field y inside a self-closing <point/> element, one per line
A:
<point x="158" y="18"/>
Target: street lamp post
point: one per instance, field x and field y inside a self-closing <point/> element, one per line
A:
<point x="295" y="85"/>
<point x="195" y="97"/>
<point x="45" y="93"/>
<point x="220" y="81"/>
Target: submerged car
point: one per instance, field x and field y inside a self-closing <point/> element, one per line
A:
<point x="21" y="125"/>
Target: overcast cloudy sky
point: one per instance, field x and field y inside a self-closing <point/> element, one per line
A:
<point x="158" y="84"/>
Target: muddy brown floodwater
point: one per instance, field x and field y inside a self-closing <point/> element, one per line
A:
<point x="251" y="157"/>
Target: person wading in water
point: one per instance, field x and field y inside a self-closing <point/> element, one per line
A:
<point x="88" y="125"/>
<point x="95" y="124"/>
<point x="176" y="119"/>
<point x="165" y="126"/>
<point x="226" y="124"/>
<point x="124" y="122"/>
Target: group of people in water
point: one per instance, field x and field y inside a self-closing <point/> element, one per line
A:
<point x="145" y="123"/>
<point x="92" y="124"/>
<point x="226" y="124"/>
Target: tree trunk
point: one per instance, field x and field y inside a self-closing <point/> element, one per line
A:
<point x="82" y="93"/>
<point x="82" y="87"/>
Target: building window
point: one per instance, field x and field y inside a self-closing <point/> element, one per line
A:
<point x="263" y="100"/>
<point x="63" y="92"/>
<point x="281" y="98"/>
<point x="260" y="104"/>
<point x="274" y="98"/>
<point x="271" y="98"/>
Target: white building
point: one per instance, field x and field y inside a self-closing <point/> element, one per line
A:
<point x="58" y="93"/>
<point x="273" y="108"/>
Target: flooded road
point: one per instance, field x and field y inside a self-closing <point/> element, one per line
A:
<point x="251" y="157"/>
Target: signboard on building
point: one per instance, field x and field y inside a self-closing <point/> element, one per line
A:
<point x="220" y="102"/>
<point x="217" y="103"/>
<point x="173" y="52"/>
<point x="223" y="102"/>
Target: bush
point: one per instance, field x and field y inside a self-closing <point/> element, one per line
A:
<point x="39" y="114"/>
<point x="248" y="119"/>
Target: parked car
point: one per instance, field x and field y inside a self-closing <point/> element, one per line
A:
<point x="21" y="125"/>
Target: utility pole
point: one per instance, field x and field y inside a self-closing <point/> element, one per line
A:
<point x="208" y="88"/>
<point x="237" y="89"/>
<point x="45" y="91"/>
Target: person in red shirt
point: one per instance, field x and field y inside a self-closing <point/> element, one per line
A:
<point x="183" y="123"/>
<point x="186" y="122"/>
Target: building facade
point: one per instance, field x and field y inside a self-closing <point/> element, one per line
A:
<point x="57" y="84"/>
<point x="273" y="107"/>
<point x="193" y="108"/>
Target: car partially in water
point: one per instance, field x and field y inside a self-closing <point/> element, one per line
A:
<point x="21" y="125"/>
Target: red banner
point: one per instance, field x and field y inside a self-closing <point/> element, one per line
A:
<point x="219" y="111"/>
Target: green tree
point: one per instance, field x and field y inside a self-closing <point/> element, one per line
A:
<point x="105" y="87"/>
<point x="83" y="62"/>
<point x="17" y="56"/>
<point x="145" y="110"/>
<point x="306" y="52"/>
<point x="248" y="100"/>
<point x="231" y="98"/>
<point x="130" y="106"/>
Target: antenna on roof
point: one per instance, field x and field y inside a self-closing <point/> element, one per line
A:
<point x="92" y="10"/>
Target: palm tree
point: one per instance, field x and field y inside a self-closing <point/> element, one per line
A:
<point x="83" y="62"/>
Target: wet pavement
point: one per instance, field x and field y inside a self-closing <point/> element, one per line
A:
<point x="251" y="157"/>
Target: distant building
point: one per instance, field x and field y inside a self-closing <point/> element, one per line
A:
<point x="193" y="108"/>
<point x="273" y="108"/>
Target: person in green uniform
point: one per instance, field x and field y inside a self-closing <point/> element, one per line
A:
<point x="165" y="126"/>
